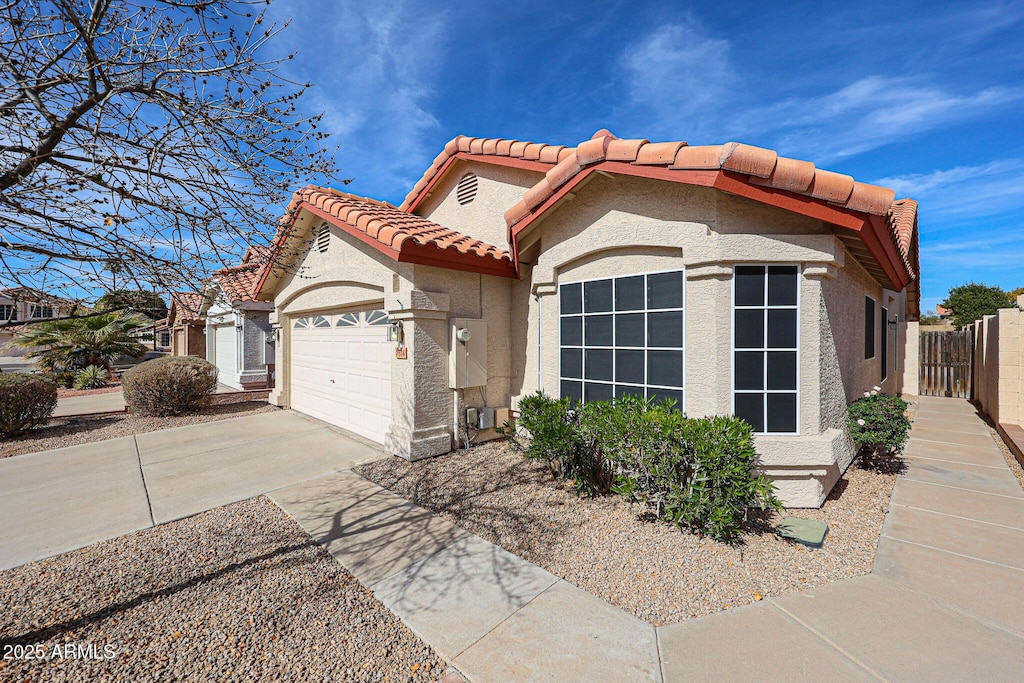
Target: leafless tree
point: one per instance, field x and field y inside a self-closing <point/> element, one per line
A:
<point x="148" y="138"/>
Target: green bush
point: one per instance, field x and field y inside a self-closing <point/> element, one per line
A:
<point x="91" y="377"/>
<point x="64" y="379"/>
<point x="26" y="401"/>
<point x="557" y="438"/>
<point x="879" y="423"/>
<point x="172" y="385"/>
<point x="696" y="473"/>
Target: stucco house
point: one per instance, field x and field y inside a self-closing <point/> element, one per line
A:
<point x="725" y="277"/>
<point x="239" y="338"/>
<point x="21" y="304"/>
<point x="186" y="325"/>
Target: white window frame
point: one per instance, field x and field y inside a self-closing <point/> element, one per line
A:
<point x="35" y="309"/>
<point x="874" y="330"/>
<point x="682" y="404"/>
<point x="8" y="313"/>
<point x="732" y="345"/>
<point x="886" y="346"/>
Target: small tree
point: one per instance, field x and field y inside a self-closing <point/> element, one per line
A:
<point x="1013" y="294"/>
<point x="74" y="343"/>
<point x="971" y="301"/>
<point x="149" y="304"/>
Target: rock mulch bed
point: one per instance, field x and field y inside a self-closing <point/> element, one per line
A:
<point x="237" y="593"/>
<point x="61" y="432"/>
<point x="1008" y="456"/>
<point x="651" y="569"/>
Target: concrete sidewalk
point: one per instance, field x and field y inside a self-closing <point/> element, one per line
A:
<point x="943" y="602"/>
<point x="85" y="405"/>
<point x="60" y="500"/>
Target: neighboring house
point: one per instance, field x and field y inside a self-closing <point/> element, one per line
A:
<point x="186" y="325"/>
<point x="22" y="304"/>
<point x="239" y="339"/>
<point x="163" y="335"/>
<point x="727" y="278"/>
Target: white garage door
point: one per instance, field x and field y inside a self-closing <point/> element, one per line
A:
<point x="226" y="355"/>
<point x="341" y="370"/>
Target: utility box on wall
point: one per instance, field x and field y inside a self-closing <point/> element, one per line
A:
<point x="467" y="357"/>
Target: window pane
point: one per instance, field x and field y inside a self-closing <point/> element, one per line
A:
<point x="869" y="327"/>
<point x="750" y="407"/>
<point x="629" y="329"/>
<point x="629" y="366"/>
<point x="749" y="329"/>
<point x="573" y="390"/>
<point x="782" y="413"/>
<point x="782" y="370"/>
<point x="749" y="285"/>
<point x="629" y="293"/>
<point x="572" y="331"/>
<point x="665" y="367"/>
<point x="597" y="392"/>
<point x="665" y="290"/>
<point x="782" y="283"/>
<point x="571" y="298"/>
<point x="626" y="390"/>
<point x="572" y="363"/>
<point x="659" y="395"/>
<point x="749" y="369"/>
<point x="782" y="328"/>
<point x="599" y="330"/>
<point x="665" y="329"/>
<point x="599" y="364"/>
<point x="597" y="296"/>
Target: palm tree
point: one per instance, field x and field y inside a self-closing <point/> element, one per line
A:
<point x="74" y="343"/>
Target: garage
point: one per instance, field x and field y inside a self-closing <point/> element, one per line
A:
<point x="225" y="354"/>
<point x="341" y="370"/>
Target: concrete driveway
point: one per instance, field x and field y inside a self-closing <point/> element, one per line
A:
<point x="59" y="500"/>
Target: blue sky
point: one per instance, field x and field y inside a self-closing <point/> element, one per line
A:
<point x="925" y="98"/>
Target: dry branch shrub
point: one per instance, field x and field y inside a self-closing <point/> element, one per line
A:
<point x="172" y="385"/>
<point x="26" y="401"/>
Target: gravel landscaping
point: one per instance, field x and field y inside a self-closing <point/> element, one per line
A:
<point x="61" y="432"/>
<point x="651" y="569"/>
<point x="1008" y="456"/>
<point x="238" y="593"/>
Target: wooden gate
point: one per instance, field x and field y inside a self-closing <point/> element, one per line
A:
<point x="946" y="360"/>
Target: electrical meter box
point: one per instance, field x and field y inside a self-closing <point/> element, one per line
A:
<point x="467" y="357"/>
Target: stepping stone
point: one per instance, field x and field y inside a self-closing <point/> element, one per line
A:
<point x="807" y="531"/>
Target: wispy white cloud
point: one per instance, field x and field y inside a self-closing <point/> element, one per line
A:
<point x="964" y="191"/>
<point x="678" y="77"/>
<point x="372" y="64"/>
<point x="682" y="81"/>
<point x="871" y="112"/>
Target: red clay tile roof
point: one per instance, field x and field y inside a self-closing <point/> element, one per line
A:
<point x="402" y="236"/>
<point x="486" y="149"/>
<point x="753" y="166"/>
<point x="238" y="282"/>
<point x="257" y="253"/>
<point x="185" y="307"/>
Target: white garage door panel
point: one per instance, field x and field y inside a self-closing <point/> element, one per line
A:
<point x="224" y="347"/>
<point x="342" y="375"/>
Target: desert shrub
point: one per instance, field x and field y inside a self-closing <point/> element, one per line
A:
<point x="557" y="438"/>
<point x="171" y="385"/>
<point x="65" y="379"/>
<point x="26" y="401"/>
<point x="91" y="377"/>
<point x="695" y="473"/>
<point x="879" y="423"/>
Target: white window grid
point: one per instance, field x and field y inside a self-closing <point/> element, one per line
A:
<point x="8" y="312"/>
<point x="583" y="348"/>
<point x="764" y="349"/>
<point x="37" y="311"/>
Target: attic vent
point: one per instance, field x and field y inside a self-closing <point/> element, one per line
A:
<point x="466" y="190"/>
<point x="322" y="238"/>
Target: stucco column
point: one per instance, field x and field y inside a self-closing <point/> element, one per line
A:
<point x="909" y="385"/>
<point x="708" y="339"/>
<point x="542" y="341"/>
<point x="282" y="367"/>
<point x="814" y="353"/>
<point x="421" y="402"/>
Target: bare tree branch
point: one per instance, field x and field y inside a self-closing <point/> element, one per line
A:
<point x="150" y="133"/>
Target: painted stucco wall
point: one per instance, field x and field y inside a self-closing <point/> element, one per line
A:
<point x="609" y="227"/>
<point x="999" y="365"/>
<point x="498" y="188"/>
